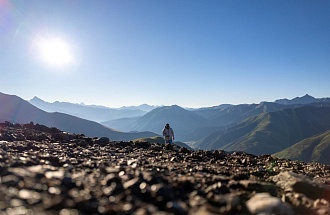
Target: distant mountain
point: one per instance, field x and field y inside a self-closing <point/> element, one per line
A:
<point x="270" y="132"/>
<point x="90" y="112"/>
<point x="159" y="139"/>
<point x="122" y="124"/>
<point x="143" y="107"/>
<point x="232" y="114"/>
<point x="313" y="149"/>
<point x="217" y="107"/>
<point x="306" y="99"/>
<point x="235" y="113"/>
<point x="195" y="124"/>
<point x="17" y="110"/>
<point x="213" y="118"/>
<point x="181" y="120"/>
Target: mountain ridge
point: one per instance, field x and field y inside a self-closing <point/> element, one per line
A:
<point x="306" y="99"/>
<point x="90" y="112"/>
<point x="263" y="128"/>
<point x="16" y="110"/>
<point x="181" y="120"/>
<point x="271" y="132"/>
<point x="308" y="150"/>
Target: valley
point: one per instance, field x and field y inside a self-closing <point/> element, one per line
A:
<point x="264" y="128"/>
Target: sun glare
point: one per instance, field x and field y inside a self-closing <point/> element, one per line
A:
<point x="54" y="51"/>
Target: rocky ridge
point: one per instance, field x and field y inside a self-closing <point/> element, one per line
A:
<point x="46" y="171"/>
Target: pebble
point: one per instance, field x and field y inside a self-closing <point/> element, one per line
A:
<point x="47" y="171"/>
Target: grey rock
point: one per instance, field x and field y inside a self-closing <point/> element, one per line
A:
<point x="293" y="182"/>
<point x="143" y="145"/>
<point x="265" y="204"/>
<point x="103" y="141"/>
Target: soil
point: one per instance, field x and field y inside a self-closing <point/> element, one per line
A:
<point x="46" y="171"/>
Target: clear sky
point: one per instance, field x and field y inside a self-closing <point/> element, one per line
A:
<point x="193" y="53"/>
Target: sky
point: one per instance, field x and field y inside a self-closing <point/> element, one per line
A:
<point x="191" y="53"/>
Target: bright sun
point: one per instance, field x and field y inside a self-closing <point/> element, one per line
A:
<point x="54" y="51"/>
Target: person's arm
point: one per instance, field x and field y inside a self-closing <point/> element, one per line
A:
<point x="172" y="134"/>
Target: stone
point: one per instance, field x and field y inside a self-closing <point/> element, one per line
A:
<point x="184" y="150"/>
<point x="169" y="146"/>
<point x="82" y="143"/>
<point x="62" y="136"/>
<point x="259" y="186"/>
<point x="72" y="174"/>
<point x="143" y="145"/>
<point x="103" y="141"/>
<point x="293" y="182"/>
<point x="265" y="204"/>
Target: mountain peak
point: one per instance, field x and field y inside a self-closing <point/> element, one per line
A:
<point x="307" y="96"/>
<point x="171" y="108"/>
<point x="175" y="106"/>
<point x="306" y="99"/>
<point x="37" y="101"/>
<point x="35" y="98"/>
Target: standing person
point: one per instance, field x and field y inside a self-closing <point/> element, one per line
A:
<point x="168" y="134"/>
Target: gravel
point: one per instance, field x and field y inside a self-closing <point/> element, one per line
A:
<point x="47" y="171"/>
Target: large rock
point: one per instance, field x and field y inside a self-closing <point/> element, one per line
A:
<point x="265" y="204"/>
<point x="292" y="182"/>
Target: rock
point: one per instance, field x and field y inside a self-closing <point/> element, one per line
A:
<point x="143" y="145"/>
<point x="68" y="182"/>
<point x="82" y="143"/>
<point x="177" y="207"/>
<point x="8" y="137"/>
<point x="184" y="150"/>
<point x="219" y="154"/>
<point x="74" y="174"/>
<point x="31" y="196"/>
<point x="10" y="180"/>
<point x="217" y="188"/>
<point x="259" y="186"/>
<point x="103" y="141"/>
<point x="265" y="204"/>
<point x="63" y="136"/>
<point x="169" y="146"/>
<point x="293" y="182"/>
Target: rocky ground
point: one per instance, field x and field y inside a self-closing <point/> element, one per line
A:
<point x="46" y="171"/>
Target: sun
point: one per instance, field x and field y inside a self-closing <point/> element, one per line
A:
<point x="54" y="51"/>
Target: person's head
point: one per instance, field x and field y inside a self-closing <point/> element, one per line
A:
<point x="167" y="125"/>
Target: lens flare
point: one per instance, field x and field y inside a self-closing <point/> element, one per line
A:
<point x="54" y="51"/>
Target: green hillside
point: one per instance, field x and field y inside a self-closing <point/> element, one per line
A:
<point x="158" y="139"/>
<point x="268" y="133"/>
<point x="313" y="149"/>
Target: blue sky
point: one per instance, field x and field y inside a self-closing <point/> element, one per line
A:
<point x="191" y="53"/>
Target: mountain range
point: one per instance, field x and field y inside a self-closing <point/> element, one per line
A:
<point x="306" y="99"/>
<point x="184" y="121"/>
<point x="264" y="128"/>
<point x="17" y="110"/>
<point x="270" y="132"/>
<point x="91" y="112"/>
<point x="280" y="127"/>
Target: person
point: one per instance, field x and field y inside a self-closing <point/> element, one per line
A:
<point x="168" y="134"/>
